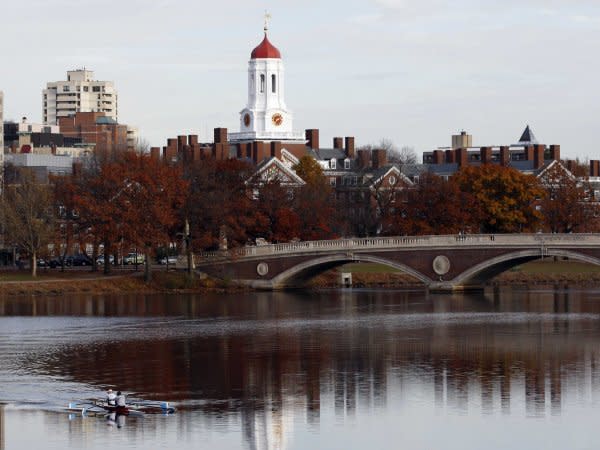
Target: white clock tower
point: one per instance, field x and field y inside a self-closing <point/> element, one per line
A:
<point x="266" y="117"/>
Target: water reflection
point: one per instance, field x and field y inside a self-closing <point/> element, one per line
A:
<point x="272" y="361"/>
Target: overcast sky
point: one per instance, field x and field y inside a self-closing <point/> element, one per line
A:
<point x="413" y="71"/>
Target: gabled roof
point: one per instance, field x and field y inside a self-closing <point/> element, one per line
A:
<point x="288" y="158"/>
<point x="558" y="164"/>
<point x="382" y="172"/>
<point x="262" y="173"/>
<point x="527" y="138"/>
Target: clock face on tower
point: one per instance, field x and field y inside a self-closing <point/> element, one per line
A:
<point x="247" y="119"/>
<point x="277" y="119"/>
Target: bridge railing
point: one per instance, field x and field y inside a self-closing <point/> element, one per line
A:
<point x="451" y="241"/>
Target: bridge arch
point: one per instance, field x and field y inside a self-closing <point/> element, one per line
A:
<point x="301" y="273"/>
<point x="482" y="272"/>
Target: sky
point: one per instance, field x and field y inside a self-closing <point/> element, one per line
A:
<point x="412" y="71"/>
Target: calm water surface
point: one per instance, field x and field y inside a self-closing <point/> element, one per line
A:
<point x="336" y="369"/>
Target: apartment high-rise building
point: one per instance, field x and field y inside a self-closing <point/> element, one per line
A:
<point x="79" y="93"/>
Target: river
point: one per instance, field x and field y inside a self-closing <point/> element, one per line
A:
<point x="351" y="369"/>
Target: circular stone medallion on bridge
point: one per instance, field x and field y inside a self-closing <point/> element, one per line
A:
<point x="441" y="265"/>
<point x="262" y="269"/>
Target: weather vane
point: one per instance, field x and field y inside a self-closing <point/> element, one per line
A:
<point x="267" y="18"/>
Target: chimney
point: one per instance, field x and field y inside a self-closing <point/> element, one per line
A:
<point x="438" y="157"/>
<point x="193" y="139"/>
<point x="485" y="155"/>
<point x="350" y="150"/>
<point x="338" y="143"/>
<point x="220" y="135"/>
<point x="538" y="156"/>
<point x="181" y="142"/>
<point x="364" y="158"/>
<point x="462" y="157"/>
<point x="312" y="136"/>
<point x="504" y="156"/>
<point x="450" y="156"/>
<point x="555" y="152"/>
<point x="155" y="153"/>
<point x="594" y="168"/>
<point x="378" y="158"/>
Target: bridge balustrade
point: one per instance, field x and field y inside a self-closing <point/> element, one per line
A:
<point x="452" y="241"/>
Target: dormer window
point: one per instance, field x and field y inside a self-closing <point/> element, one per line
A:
<point x="332" y="164"/>
<point x="346" y="164"/>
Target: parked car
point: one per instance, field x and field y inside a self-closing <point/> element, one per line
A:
<point x="100" y="260"/>
<point x="134" y="258"/>
<point x="54" y="263"/>
<point x="170" y="259"/>
<point x="78" y="260"/>
<point x="41" y="262"/>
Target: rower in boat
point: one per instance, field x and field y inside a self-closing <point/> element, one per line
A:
<point x="111" y="398"/>
<point x="121" y="400"/>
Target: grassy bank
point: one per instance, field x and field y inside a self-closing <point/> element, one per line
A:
<point x="363" y="275"/>
<point x="79" y="282"/>
<point x="546" y="271"/>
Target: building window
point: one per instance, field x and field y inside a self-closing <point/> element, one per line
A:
<point x="86" y="88"/>
<point x="262" y="83"/>
<point x="332" y="181"/>
<point x="332" y="163"/>
<point x="392" y="180"/>
<point x="95" y="88"/>
<point x="346" y="164"/>
<point x="273" y="83"/>
<point x="66" y="88"/>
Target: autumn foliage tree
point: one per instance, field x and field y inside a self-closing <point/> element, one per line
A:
<point x="435" y="206"/>
<point x="133" y="199"/>
<point x="565" y="206"/>
<point x="314" y="202"/>
<point x="275" y="207"/>
<point x="219" y="202"/>
<point x="505" y="198"/>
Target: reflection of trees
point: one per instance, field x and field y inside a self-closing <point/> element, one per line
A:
<point x="304" y="355"/>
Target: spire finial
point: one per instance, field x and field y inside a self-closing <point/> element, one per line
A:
<point x="267" y="18"/>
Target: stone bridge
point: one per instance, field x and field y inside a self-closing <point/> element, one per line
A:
<point x="442" y="263"/>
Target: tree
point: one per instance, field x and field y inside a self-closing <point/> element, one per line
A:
<point x="27" y="216"/>
<point x="219" y="201"/>
<point x="276" y="219"/>
<point x="565" y="207"/>
<point x="504" y="197"/>
<point x="435" y="206"/>
<point x="314" y="203"/>
<point x="397" y="156"/>
<point x="152" y="192"/>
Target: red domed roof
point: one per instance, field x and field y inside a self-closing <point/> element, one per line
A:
<point x="265" y="50"/>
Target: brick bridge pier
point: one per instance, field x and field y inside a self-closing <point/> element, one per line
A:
<point x="442" y="263"/>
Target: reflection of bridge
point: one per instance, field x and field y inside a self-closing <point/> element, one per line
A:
<point x="442" y="263"/>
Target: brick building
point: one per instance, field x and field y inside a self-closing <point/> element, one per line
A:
<point x="527" y="155"/>
<point x="96" y="128"/>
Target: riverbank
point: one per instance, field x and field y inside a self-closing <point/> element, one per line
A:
<point x="55" y="282"/>
<point x="546" y="272"/>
